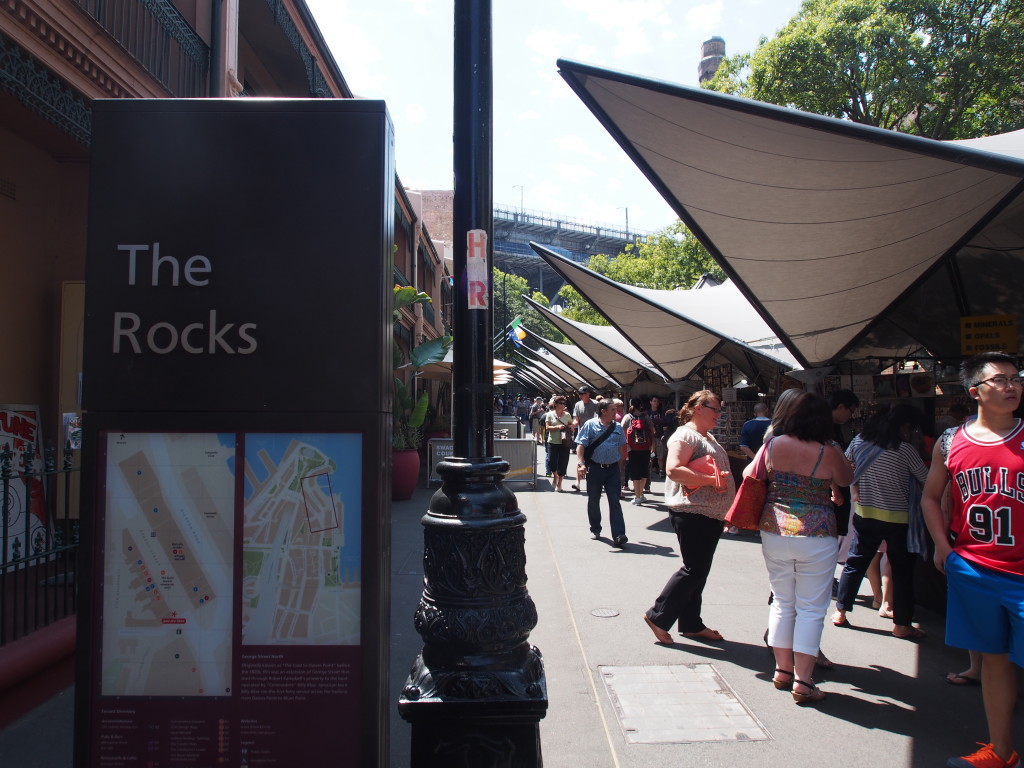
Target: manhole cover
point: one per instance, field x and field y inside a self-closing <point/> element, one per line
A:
<point x="604" y="613"/>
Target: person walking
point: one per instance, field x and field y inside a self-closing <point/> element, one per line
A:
<point x="984" y="566"/>
<point x="556" y="437"/>
<point x="657" y="416"/>
<point x="639" y="440"/>
<point x="798" y="538"/>
<point x="537" y="412"/>
<point x="697" y="520"/>
<point x="887" y="469"/>
<point x="599" y="446"/>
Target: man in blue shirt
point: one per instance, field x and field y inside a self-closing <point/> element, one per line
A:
<point x="752" y="433"/>
<point x="602" y="469"/>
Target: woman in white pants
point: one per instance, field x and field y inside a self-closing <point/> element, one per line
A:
<point x="798" y="539"/>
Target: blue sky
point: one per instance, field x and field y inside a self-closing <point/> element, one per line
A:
<point x="550" y="153"/>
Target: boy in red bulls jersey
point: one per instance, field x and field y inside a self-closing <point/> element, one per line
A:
<point x="983" y="462"/>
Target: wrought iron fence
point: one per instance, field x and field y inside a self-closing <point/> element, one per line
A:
<point x="156" y="34"/>
<point x="39" y="555"/>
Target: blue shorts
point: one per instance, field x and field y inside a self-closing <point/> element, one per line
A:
<point x="984" y="609"/>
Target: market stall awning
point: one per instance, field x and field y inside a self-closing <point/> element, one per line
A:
<point x="679" y="330"/>
<point x="548" y="362"/>
<point x="604" y="344"/>
<point x="576" y="359"/>
<point x="541" y="372"/>
<point x="848" y="240"/>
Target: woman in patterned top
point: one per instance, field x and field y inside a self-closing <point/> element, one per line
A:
<point x="798" y="538"/>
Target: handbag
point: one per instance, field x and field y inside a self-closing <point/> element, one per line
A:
<point x="746" y="508"/>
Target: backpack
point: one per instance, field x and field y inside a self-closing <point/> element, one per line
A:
<point x="638" y="436"/>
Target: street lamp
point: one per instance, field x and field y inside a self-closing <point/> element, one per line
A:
<point x="622" y="208"/>
<point x="520" y="197"/>
<point x="477" y="691"/>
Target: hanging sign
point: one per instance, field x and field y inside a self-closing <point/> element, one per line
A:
<point x="988" y="333"/>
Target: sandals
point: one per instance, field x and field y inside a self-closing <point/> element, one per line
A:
<point x="659" y="633"/>
<point x="707" y="634"/>
<point x="913" y="634"/>
<point x="783" y="685"/>
<point x="959" y="678"/>
<point x="814" y="694"/>
<point x="839" y="619"/>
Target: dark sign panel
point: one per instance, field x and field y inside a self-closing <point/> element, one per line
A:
<point x="239" y="241"/>
<point x="237" y="378"/>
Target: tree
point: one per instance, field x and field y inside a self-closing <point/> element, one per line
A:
<point x="509" y="304"/>
<point x="944" y="69"/>
<point x="670" y="258"/>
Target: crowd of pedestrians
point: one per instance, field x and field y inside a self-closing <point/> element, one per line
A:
<point x="892" y="494"/>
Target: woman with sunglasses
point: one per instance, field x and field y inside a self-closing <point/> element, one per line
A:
<point x="697" y="520"/>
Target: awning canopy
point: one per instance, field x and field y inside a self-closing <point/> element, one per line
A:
<point x="679" y="330"/>
<point x="850" y="241"/>
<point x="604" y="344"/>
<point x="551" y="364"/>
<point x="576" y="359"/>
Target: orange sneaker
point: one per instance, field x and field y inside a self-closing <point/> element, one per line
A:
<point x="984" y="758"/>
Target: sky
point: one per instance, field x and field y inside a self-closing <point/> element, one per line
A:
<point x="550" y="153"/>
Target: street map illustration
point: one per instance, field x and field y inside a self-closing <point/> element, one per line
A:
<point x="169" y="595"/>
<point x="301" y="580"/>
<point x="167" y="591"/>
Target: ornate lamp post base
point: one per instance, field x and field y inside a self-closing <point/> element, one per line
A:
<point x="477" y="691"/>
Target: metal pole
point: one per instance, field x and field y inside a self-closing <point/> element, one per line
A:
<point x="477" y="690"/>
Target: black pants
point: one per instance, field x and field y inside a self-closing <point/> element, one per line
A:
<point x="682" y="596"/>
<point x="868" y="537"/>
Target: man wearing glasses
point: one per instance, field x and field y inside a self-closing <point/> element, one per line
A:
<point x="983" y="463"/>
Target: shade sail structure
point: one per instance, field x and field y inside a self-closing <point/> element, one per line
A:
<point x="678" y="331"/>
<point x="577" y="360"/>
<point x="542" y="373"/>
<point x="604" y="344"/>
<point x="849" y="240"/>
<point x="550" y="363"/>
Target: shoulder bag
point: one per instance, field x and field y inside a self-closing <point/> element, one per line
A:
<point x="745" y="512"/>
<point x="588" y="450"/>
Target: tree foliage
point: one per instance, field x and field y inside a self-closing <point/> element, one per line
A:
<point x="945" y="69"/>
<point x="670" y="258"/>
<point x="508" y="291"/>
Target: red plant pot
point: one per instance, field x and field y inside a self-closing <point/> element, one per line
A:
<point x="405" y="472"/>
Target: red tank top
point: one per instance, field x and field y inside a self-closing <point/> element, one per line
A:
<point x="988" y="499"/>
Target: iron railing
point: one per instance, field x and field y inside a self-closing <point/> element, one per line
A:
<point x="157" y="36"/>
<point x="38" y="558"/>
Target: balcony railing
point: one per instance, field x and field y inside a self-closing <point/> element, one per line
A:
<point x="38" y="558"/>
<point x="156" y="34"/>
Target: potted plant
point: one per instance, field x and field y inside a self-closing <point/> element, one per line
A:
<point x="408" y="412"/>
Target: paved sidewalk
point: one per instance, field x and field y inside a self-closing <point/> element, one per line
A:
<point x="888" y="704"/>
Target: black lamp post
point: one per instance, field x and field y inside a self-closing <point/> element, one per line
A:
<point x="477" y="691"/>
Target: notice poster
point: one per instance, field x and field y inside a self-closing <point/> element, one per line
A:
<point x="24" y="523"/>
<point x="231" y="595"/>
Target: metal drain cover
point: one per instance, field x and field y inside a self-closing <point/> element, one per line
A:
<point x="604" y="613"/>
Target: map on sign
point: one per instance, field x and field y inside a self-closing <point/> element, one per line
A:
<point x="167" y="582"/>
<point x="301" y="539"/>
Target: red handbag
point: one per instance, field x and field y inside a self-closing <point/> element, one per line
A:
<point x="745" y="512"/>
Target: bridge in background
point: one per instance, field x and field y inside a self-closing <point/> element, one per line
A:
<point x="572" y="238"/>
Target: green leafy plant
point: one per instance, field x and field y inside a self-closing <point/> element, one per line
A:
<point x="408" y="413"/>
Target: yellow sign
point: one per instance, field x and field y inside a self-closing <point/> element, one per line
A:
<point x="988" y="333"/>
